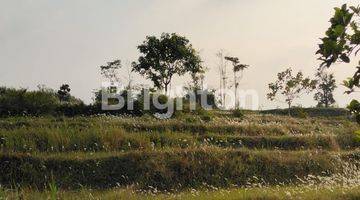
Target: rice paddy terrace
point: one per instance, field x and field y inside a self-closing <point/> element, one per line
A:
<point x="143" y="157"/>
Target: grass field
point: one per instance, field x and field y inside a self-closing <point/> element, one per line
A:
<point x="269" y="193"/>
<point x="262" y="156"/>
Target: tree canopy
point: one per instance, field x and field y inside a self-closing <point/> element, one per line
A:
<point x="237" y="67"/>
<point x="325" y="88"/>
<point x="291" y="87"/>
<point x="341" y="41"/>
<point x="110" y="71"/>
<point x="64" y="93"/>
<point x="164" y="57"/>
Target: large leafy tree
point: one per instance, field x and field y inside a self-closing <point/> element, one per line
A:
<point x="325" y="88"/>
<point x="164" y="57"/>
<point x="291" y="87"/>
<point x="237" y="67"/>
<point x="342" y="40"/>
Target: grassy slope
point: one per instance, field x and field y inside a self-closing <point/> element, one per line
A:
<point x="272" y="193"/>
<point x="122" y="134"/>
<point x="174" y="169"/>
<point x="179" y="153"/>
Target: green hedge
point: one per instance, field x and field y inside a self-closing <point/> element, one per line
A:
<point x="165" y="170"/>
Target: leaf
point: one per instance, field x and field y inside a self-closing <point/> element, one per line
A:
<point x="345" y="58"/>
<point x="344" y="7"/>
<point x="339" y="30"/>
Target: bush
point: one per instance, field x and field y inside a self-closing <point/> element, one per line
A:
<point x="204" y="115"/>
<point x="357" y="136"/>
<point x="22" y="102"/>
<point x="301" y="113"/>
<point x="208" y="94"/>
<point x="238" y="113"/>
<point x="354" y="108"/>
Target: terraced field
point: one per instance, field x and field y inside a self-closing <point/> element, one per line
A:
<point x="183" y="157"/>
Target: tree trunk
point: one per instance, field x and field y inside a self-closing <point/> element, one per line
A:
<point x="166" y="88"/>
<point x="289" y="109"/>
<point x="224" y="88"/>
<point x="236" y="98"/>
<point x="326" y="100"/>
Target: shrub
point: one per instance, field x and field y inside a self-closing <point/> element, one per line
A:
<point x="357" y="136"/>
<point x="20" y="101"/>
<point x="238" y="113"/>
<point x="204" y="115"/>
<point x="301" y="113"/>
<point x="354" y="108"/>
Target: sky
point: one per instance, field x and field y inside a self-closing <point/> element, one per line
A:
<point x="55" y="42"/>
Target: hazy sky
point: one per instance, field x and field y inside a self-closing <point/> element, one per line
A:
<point x="54" y="42"/>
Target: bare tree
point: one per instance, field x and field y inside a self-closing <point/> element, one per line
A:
<point x="129" y="74"/>
<point x="110" y="71"/>
<point x="237" y="67"/>
<point x="222" y="65"/>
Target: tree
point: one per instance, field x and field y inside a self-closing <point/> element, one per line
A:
<point x="354" y="108"/>
<point x="222" y="65"/>
<point x="129" y="76"/>
<point x="291" y="87"/>
<point x="326" y="85"/>
<point x="342" y="40"/>
<point x="64" y="93"/>
<point x="164" y="57"/>
<point x="110" y="71"/>
<point x="237" y="67"/>
<point x="197" y="81"/>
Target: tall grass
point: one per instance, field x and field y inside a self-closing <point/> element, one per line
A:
<point x="180" y="153"/>
<point x="106" y="133"/>
<point x="171" y="169"/>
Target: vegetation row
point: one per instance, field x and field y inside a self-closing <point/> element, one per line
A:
<point x="51" y="142"/>
<point x="168" y="170"/>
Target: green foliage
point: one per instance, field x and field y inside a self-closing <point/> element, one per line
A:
<point x="237" y="67"/>
<point x="341" y="41"/>
<point x="248" y="193"/>
<point x="149" y="107"/>
<point x="354" y="108"/>
<point x="311" y="112"/>
<point x="302" y="113"/>
<point x="108" y="151"/>
<point x="326" y="85"/>
<point x="357" y="135"/>
<point x="291" y="87"/>
<point x="236" y="64"/>
<point x="166" y="170"/>
<point x="238" y="113"/>
<point x="64" y="93"/>
<point x="22" y="102"/>
<point x="109" y="134"/>
<point x="110" y="71"/>
<point x="204" y="114"/>
<point x="53" y="189"/>
<point x="164" y="57"/>
<point x="193" y="96"/>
